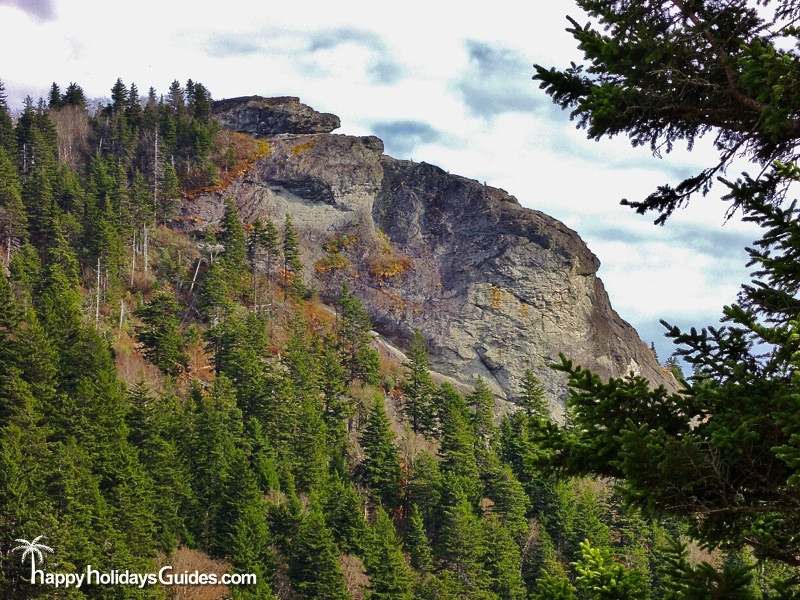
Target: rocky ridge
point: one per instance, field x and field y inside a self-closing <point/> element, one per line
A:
<point x="494" y="287"/>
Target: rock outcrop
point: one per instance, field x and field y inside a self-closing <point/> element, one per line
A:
<point x="494" y="287"/>
<point x="269" y="116"/>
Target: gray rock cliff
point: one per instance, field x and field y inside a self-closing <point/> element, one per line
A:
<point x="267" y="116"/>
<point x="494" y="287"/>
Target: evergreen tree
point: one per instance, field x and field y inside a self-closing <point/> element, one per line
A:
<point x="250" y="553"/>
<point x="262" y="239"/>
<point x="599" y="576"/>
<point x="419" y="388"/>
<point x="533" y="399"/>
<point x="233" y="239"/>
<point x="419" y="547"/>
<point x="74" y="96"/>
<point x="8" y="140"/>
<point x="503" y="562"/>
<point x="510" y="500"/>
<point x="141" y="201"/>
<point x="119" y="96"/>
<point x="354" y="337"/>
<point x="481" y="401"/>
<point x="457" y="449"/>
<point x="268" y="241"/>
<point x="134" y="108"/>
<point x="462" y="541"/>
<point x="54" y="99"/>
<point x="155" y="425"/>
<point x="684" y="581"/>
<point x="553" y="584"/>
<point x="381" y="465"/>
<point x="170" y="193"/>
<point x="13" y="218"/>
<point x="389" y="575"/>
<point x="201" y="102"/>
<point x="309" y="446"/>
<point x="425" y="490"/>
<point x="176" y="99"/>
<point x="160" y="333"/>
<point x="739" y="464"/>
<point x="215" y="447"/>
<point x="38" y="187"/>
<point x="344" y="513"/>
<point x="292" y="267"/>
<point x="337" y="404"/>
<point x="314" y="568"/>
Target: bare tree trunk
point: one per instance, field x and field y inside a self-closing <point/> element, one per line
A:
<point x="269" y="276"/>
<point x="121" y="312"/>
<point x="255" y="288"/>
<point x="133" y="255"/>
<point x="144" y="249"/>
<point x="197" y="268"/>
<point x="155" y="177"/>
<point x="97" y="296"/>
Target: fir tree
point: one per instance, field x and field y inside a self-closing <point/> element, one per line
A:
<point x="292" y="267"/>
<point x="533" y="399"/>
<point x="457" y="449"/>
<point x="119" y="96"/>
<point x="176" y="99"/>
<point x="740" y="464"/>
<point x="13" y="218"/>
<point x="268" y="241"/>
<point x="510" y="501"/>
<point x="419" y="547"/>
<point x="599" y="576"/>
<point x="160" y="333"/>
<point x="389" y="575"/>
<point x="354" y="337"/>
<point x="134" y="108"/>
<point x="344" y="513"/>
<point x="462" y="542"/>
<point x="74" y="96"/>
<point x="155" y="424"/>
<point x="504" y="563"/>
<point x="253" y="256"/>
<point x="314" y="568"/>
<point x="8" y="140"/>
<point x="553" y="584"/>
<point x="425" y="490"/>
<point x="170" y="193"/>
<point x="419" y="388"/>
<point x="381" y="465"/>
<point x="233" y="239"/>
<point x="481" y="401"/>
<point x="54" y="100"/>
<point x="215" y="447"/>
<point x="250" y="552"/>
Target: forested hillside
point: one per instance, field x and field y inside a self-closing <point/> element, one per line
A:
<point x="174" y="400"/>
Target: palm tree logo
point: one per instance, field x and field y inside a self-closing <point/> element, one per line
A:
<point x="32" y="549"/>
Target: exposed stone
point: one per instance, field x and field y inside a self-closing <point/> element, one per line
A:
<point x="261" y="116"/>
<point x="494" y="287"/>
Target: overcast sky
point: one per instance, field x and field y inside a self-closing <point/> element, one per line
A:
<point x="438" y="82"/>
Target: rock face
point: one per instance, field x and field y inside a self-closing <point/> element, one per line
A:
<point x="494" y="287"/>
<point x="268" y="116"/>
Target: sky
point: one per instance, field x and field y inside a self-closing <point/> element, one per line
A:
<point x="445" y="83"/>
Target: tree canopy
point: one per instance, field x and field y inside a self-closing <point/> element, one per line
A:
<point x="723" y="451"/>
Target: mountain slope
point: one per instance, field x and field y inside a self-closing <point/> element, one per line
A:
<point x="494" y="287"/>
